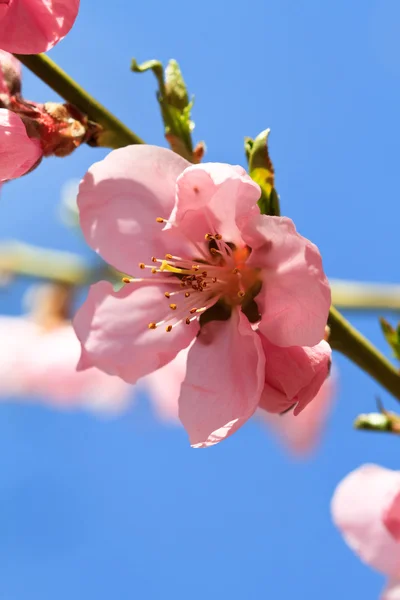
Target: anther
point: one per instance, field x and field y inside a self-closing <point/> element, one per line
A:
<point x="214" y="280"/>
<point x="241" y="294"/>
<point x="142" y="266"/>
<point x="208" y="237"/>
<point x="195" y="267"/>
<point x="187" y="294"/>
<point x="168" y="328"/>
<point x="187" y="321"/>
<point x="173" y="306"/>
<point x="154" y="271"/>
<point x="168" y="257"/>
<point x="152" y="325"/>
<point x="153" y="259"/>
<point x="213" y="251"/>
<point x="218" y="236"/>
<point x="160" y="220"/>
<point x="235" y="271"/>
<point x="167" y="294"/>
<point x="126" y="279"/>
<point x="192" y="311"/>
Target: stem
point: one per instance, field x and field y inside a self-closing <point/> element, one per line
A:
<point x="346" y="339"/>
<point x="116" y="134"/>
<point x="24" y="259"/>
<point x="365" y="296"/>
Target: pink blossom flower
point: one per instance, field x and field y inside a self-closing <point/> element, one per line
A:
<point x="41" y="364"/>
<point x="302" y="433"/>
<point x="207" y="268"/>
<point x="18" y="152"/>
<point x="366" y="509"/>
<point x="33" y="26"/>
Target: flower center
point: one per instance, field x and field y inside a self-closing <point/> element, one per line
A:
<point x="217" y="276"/>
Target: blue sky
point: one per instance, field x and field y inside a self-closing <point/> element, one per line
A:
<point x="95" y="508"/>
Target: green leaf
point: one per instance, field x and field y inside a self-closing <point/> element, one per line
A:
<point x="262" y="172"/>
<point x="175" y="105"/>
<point x="150" y="65"/>
<point x="248" y="146"/>
<point x="392" y="336"/>
<point x="175" y="87"/>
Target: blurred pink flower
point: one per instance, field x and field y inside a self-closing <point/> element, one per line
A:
<point x="41" y="364"/>
<point x="366" y="509"/>
<point x="213" y="257"/>
<point x="302" y="433"/>
<point x="18" y="152"/>
<point x="392" y="591"/>
<point x="33" y="26"/>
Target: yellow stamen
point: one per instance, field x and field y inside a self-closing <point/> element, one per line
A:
<point x="152" y="326"/>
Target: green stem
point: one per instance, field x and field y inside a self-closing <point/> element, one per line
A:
<point x="115" y="135"/>
<point x="346" y="339"/>
<point x="24" y="259"/>
<point x="356" y="295"/>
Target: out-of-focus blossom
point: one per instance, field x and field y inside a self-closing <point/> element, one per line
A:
<point x="18" y="152"/>
<point x="366" y="509"/>
<point x="302" y="433"/>
<point x="203" y="256"/>
<point x="33" y="26"/>
<point x="392" y="590"/>
<point x="40" y="364"/>
<point x="39" y="354"/>
<point x="164" y="387"/>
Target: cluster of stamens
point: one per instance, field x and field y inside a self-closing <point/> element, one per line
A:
<point x="197" y="284"/>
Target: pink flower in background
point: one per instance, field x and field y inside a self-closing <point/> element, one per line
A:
<point x="202" y="255"/>
<point x="33" y="26"/>
<point x="366" y="509"/>
<point x="41" y="364"/>
<point x="302" y="433"/>
<point x="164" y="386"/>
<point x="18" y="152"/>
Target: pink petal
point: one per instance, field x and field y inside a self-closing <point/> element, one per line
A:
<point x="20" y="334"/>
<point x="113" y="330"/>
<point x="224" y="380"/>
<point x="392" y="590"/>
<point x="40" y="365"/>
<point x="214" y="197"/>
<point x="18" y="153"/>
<point x="391" y="516"/>
<point x="293" y="375"/>
<point x="295" y="297"/>
<point x="33" y="26"/>
<point x="120" y="199"/>
<point x="302" y="433"/>
<point x="50" y="373"/>
<point x="358" y="506"/>
<point x="164" y="386"/>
